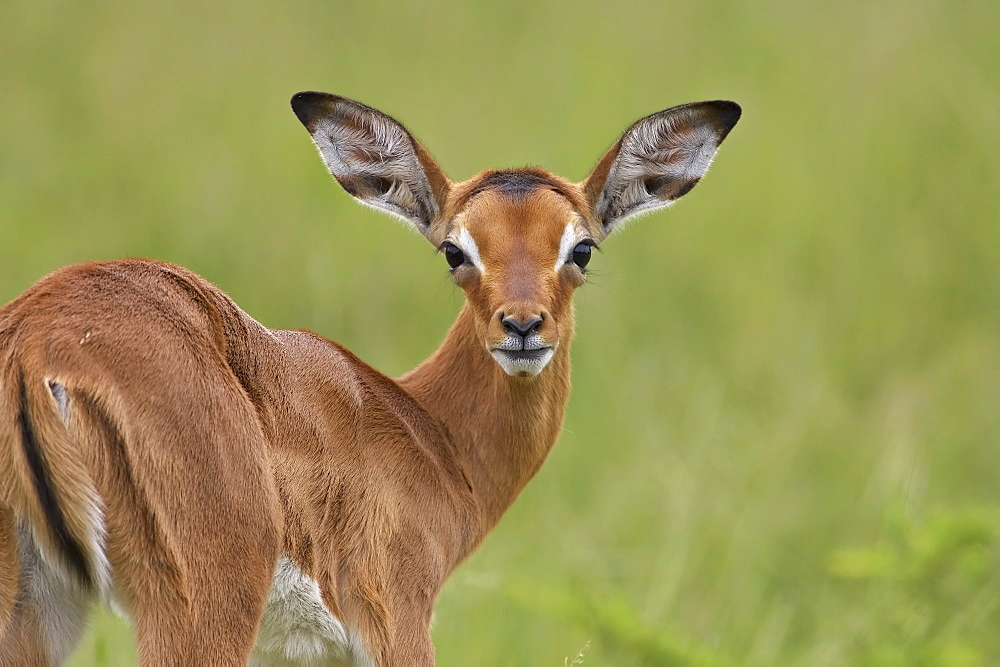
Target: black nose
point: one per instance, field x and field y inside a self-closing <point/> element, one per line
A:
<point x="517" y="327"/>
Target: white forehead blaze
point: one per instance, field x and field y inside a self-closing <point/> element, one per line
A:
<point x="566" y="244"/>
<point x="471" y="250"/>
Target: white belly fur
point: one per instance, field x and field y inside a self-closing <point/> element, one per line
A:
<point x="298" y="628"/>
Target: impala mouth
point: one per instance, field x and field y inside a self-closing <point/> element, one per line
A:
<point x="522" y="361"/>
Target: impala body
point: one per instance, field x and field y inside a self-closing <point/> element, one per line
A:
<point x="241" y="493"/>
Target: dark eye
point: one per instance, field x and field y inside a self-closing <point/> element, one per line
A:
<point x="581" y="253"/>
<point x="455" y="257"/>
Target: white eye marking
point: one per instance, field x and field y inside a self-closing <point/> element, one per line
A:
<point x="471" y="250"/>
<point x="566" y="244"/>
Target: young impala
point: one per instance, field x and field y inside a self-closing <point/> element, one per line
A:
<point x="241" y="493"/>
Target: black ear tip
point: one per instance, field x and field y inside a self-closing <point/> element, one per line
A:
<point x="731" y="110"/>
<point x="308" y="104"/>
<point x="727" y="114"/>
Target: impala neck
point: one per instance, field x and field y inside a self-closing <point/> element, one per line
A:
<point x="502" y="426"/>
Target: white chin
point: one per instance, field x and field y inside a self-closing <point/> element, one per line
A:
<point x="523" y="363"/>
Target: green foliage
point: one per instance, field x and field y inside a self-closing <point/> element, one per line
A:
<point x="613" y="623"/>
<point x="932" y="589"/>
<point x="762" y="374"/>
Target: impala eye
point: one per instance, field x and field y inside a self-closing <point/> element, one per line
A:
<point x="581" y="253"/>
<point x="453" y="254"/>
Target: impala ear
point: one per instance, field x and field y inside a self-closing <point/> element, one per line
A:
<point x="658" y="160"/>
<point x="374" y="157"/>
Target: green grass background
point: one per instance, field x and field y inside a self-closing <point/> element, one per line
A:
<point x="783" y="444"/>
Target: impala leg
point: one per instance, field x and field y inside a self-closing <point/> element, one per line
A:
<point x="9" y="571"/>
<point x="20" y="634"/>
<point x="406" y="639"/>
<point x="410" y="646"/>
<point x="42" y="612"/>
<point x="212" y="616"/>
<point x="201" y="601"/>
<point x="21" y="640"/>
<point x="413" y="647"/>
<point x="195" y="534"/>
<point x="217" y="625"/>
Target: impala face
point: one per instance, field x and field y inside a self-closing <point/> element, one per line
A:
<point x="518" y="242"/>
<point x="519" y="248"/>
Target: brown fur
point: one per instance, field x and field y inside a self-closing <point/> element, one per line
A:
<point x="214" y="445"/>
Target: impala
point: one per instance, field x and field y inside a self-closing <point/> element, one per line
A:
<point x="240" y="493"/>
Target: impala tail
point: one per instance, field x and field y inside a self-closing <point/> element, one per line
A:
<point x="45" y="480"/>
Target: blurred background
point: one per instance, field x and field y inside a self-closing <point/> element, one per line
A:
<point x="783" y="444"/>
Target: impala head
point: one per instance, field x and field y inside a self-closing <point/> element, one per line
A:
<point x="518" y="242"/>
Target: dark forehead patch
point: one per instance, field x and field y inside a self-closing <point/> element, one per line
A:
<point x="516" y="183"/>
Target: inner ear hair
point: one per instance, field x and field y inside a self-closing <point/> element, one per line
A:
<point x="659" y="159"/>
<point x="374" y="158"/>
